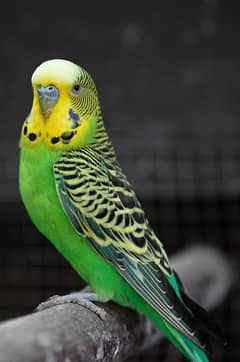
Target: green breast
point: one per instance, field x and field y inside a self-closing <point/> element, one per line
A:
<point x="37" y="188"/>
<point x="38" y="191"/>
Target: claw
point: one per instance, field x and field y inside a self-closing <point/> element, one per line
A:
<point x="84" y="299"/>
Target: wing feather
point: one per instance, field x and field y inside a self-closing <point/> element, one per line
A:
<point x="102" y="206"/>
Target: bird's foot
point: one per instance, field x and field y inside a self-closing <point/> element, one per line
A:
<point x="85" y="299"/>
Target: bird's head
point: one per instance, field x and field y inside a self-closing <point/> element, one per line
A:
<point x="65" y="108"/>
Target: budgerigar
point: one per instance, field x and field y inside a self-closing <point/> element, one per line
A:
<point x="78" y="197"/>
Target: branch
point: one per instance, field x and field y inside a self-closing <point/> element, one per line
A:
<point x="70" y="332"/>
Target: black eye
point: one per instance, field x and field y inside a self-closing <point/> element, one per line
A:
<point x="76" y="89"/>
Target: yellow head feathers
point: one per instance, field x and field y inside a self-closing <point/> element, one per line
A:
<point x="65" y="109"/>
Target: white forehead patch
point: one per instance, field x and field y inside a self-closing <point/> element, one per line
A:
<point x="56" y="70"/>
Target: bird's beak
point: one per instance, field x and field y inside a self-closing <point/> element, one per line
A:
<point x="48" y="97"/>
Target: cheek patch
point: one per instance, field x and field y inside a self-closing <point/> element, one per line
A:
<point x="32" y="136"/>
<point x="74" y="118"/>
<point x="67" y="136"/>
<point x="25" y="130"/>
<point x="55" y="140"/>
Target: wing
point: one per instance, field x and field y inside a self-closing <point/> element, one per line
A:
<point x="103" y="207"/>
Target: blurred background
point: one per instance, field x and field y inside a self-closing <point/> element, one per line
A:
<point x="168" y="78"/>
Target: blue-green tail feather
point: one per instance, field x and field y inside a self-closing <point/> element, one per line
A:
<point x="190" y="350"/>
<point x="206" y="330"/>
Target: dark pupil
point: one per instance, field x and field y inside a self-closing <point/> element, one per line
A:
<point x="77" y="87"/>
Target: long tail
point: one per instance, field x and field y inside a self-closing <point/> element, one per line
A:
<point x="189" y="349"/>
<point x="205" y="325"/>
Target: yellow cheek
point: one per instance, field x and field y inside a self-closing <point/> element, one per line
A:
<point x="68" y="138"/>
<point x="55" y="131"/>
<point x="32" y="132"/>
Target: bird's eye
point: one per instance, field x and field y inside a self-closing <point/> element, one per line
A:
<point x="76" y="89"/>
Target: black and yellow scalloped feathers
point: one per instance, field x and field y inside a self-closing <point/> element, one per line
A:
<point x="99" y="192"/>
<point x="103" y="207"/>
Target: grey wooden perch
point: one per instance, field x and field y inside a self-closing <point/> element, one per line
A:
<point x="72" y="333"/>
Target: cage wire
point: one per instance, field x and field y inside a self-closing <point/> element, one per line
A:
<point x="190" y="194"/>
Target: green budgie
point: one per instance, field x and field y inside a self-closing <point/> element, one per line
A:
<point x="78" y="197"/>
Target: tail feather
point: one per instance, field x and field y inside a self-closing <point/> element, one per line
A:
<point x="209" y="332"/>
<point x="202" y="316"/>
<point x="189" y="349"/>
<point x="199" y="348"/>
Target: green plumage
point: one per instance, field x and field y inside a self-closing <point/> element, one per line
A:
<point x="81" y="201"/>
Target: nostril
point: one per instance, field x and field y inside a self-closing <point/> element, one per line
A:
<point x="51" y="91"/>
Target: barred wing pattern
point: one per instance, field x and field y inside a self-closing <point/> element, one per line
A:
<point x="103" y="207"/>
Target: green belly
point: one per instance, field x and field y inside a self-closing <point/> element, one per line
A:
<point x="37" y="187"/>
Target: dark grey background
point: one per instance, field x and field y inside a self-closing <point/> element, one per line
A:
<point x="168" y="77"/>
